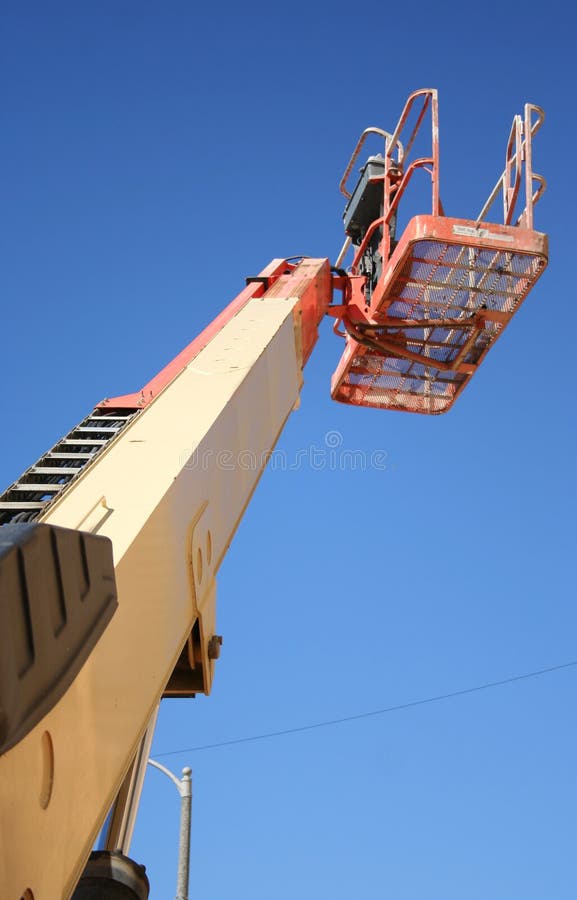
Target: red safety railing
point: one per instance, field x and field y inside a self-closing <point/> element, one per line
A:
<point x="417" y="330"/>
<point x="519" y="163"/>
<point x="398" y="174"/>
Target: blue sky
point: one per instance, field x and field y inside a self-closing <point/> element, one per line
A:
<point x="155" y="154"/>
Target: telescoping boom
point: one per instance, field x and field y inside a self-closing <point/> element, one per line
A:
<point x="111" y="542"/>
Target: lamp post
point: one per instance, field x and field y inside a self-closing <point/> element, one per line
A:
<point x="184" y="788"/>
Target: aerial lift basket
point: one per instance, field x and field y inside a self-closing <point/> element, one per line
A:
<point x="422" y="313"/>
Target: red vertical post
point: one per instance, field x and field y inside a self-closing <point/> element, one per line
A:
<point x="435" y="150"/>
<point x="528" y="215"/>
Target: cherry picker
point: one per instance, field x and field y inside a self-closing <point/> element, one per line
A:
<point x="111" y="542"/>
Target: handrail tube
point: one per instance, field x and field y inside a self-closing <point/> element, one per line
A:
<point x="431" y="92"/>
<point x="420" y="163"/>
<point x="363" y="245"/>
<point x="383" y="220"/>
<point x="535" y="197"/>
<point x="420" y="118"/>
<point x="370" y="130"/>
<point x="532" y="107"/>
<point x="491" y="199"/>
<point x="530" y="130"/>
<point x="524" y="149"/>
<point x="527" y="214"/>
<point x="393" y="349"/>
<point x="510" y="193"/>
<point x="343" y="253"/>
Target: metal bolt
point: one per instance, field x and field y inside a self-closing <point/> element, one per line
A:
<point x="214" y="645"/>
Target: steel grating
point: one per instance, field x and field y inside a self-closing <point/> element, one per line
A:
<point x="444" y="303"/>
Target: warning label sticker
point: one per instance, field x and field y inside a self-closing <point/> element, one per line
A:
<point x="471" y="231"/>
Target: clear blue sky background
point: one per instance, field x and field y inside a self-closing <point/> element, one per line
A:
<point x="153" y="155"/>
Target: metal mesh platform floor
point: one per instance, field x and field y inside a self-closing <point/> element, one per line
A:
<point x="450" y="288"/>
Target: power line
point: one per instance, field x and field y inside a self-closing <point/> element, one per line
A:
<point x="327" y="723"/>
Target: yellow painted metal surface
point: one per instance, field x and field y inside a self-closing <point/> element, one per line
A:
<point x="169" y="492"/>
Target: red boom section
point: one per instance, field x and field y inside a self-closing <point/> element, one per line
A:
<point x="308" y="279"/>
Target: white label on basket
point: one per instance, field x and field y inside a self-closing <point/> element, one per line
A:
<point x="470" y="231"/>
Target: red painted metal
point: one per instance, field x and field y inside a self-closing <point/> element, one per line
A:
<point x="140" y="399"/>
<point x="447" y="289"/>
<point x="312" y="283"/>
<point x="307" y="279"/>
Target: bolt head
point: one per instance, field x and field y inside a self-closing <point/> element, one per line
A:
<point x="214" y="645"/>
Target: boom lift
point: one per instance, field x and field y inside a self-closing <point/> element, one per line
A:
<point x="110" y="543"/>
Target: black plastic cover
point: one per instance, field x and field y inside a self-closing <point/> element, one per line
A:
<point x="57" y="595"/>
<point x="111" y="876"/>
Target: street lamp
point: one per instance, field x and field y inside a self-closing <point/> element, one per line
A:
<point x="184" y="788"/>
